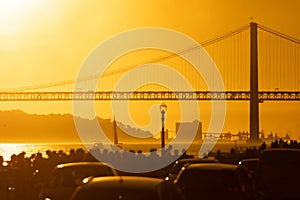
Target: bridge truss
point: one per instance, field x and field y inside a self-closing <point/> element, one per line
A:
<point x="149" y="95"/>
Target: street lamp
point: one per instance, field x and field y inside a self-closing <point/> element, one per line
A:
<point x="163" y="110"/>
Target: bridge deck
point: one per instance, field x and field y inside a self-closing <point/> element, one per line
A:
<point x="148" y="95"/>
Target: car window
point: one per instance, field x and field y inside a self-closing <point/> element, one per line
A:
<point x="207" y="181"/>
<point x="91" y="171"/>
<point x="279" y="173"/>
<point x="206" y="177"/>
<point x="73" y="177"/>
<point x="211" y="184"/>
<point x="176" y="168"/>
<point x="61" y="179"/>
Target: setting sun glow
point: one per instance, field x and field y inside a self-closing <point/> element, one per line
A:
<point x="15" y="9"/>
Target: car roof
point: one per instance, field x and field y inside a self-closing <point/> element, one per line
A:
<point x="282" y="150"/>
<point x="281" y="154"/>
<point x="188" y="160"/>
<point x="250" y="160"/>
<point x="124" y="181"/>
<point x="81" y="164"/>
<point x="213" y="166"/>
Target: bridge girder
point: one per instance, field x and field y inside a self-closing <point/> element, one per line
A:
<point x="149" y="95"/>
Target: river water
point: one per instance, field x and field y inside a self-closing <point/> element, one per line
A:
<point x="8" y="149"/>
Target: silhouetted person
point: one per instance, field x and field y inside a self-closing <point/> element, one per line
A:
<point x="263" y="146"/>
<point x="1" y="161"/>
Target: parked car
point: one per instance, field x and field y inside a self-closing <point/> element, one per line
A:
<point x="215" y="181"/>
<point x="251" y="164"/>
<point x="182" y="162"/>
<point x="278" y="174"/>
<point x="14" y="184"/>
<point x="66" y="177"/>
<point x="129" y="188"/>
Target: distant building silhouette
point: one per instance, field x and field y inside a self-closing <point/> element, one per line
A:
<point x="188" y="127"/>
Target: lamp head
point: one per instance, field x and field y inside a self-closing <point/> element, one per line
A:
<point x="163" y="108"/>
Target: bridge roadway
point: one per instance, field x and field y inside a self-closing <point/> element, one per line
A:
<point x="148" y="95"/>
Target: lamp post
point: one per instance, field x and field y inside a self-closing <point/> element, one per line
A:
<point x="163" y="110"/>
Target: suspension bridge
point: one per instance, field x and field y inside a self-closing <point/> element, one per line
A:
<point x="256" y="63"/>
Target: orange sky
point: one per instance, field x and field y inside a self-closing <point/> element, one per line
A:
<point x="47" y="41"/>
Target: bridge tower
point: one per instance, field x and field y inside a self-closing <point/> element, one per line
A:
<point x="254" y="102"/>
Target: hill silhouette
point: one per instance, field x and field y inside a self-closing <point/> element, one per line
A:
<point x="19" y="127"/>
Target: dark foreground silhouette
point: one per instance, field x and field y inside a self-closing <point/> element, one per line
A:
<point x="23" y="177"/>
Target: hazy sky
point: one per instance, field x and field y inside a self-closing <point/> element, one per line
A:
<point x="47" y="41"/>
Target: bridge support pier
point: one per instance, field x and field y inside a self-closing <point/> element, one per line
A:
<point x="254" y="102"/>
